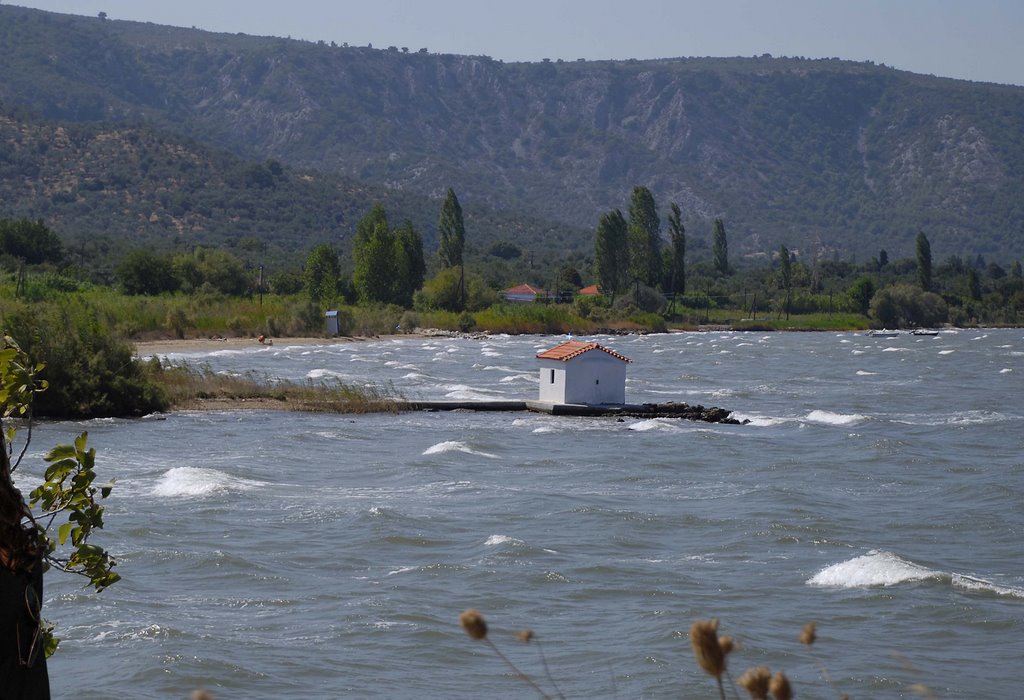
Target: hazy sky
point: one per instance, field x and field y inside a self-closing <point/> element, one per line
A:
<point x="971" y="39"/>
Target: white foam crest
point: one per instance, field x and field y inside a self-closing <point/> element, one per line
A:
<point x="519" y="378"/>
<point x="671" y="425"/>
<point x="490" y="353"/>
<point x="830" y="418"/>
<point x="872" y="569"/>
<point x="468" y="393"/>
<point x="895" y="350"/>
<point x="980" y="585"/>
<point x="863" y="373"/>
<point x="325" y="374"/>
<point x="1005" y="370"/>
<point x="759" y="421"/>
<point x="456" y="446"/>
<point x="546" y="429"/>
<point x="200" y="482"/>
<point x="497" y="368"/>
<point x="856" y="352"/>
<point x="495" y="540"/>
<point x="415" y="375"/>
<point x="946" y="352"/>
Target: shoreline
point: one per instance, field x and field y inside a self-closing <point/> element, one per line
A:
<point x="149" y="348"/>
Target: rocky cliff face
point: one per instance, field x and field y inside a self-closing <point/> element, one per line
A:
<point x="826" y="157"/>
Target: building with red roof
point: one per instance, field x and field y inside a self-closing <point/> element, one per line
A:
<point x="579" y="372"/>
<point x="522" y="293"/>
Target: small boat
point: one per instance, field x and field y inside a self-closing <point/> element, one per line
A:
<point x="923" y="331"/>
<point x="883" y="333"/>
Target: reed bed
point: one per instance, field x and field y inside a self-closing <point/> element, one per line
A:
<point x="188" y="386"/>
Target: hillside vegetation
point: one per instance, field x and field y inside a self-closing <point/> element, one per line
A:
<point x="830" y="158"/>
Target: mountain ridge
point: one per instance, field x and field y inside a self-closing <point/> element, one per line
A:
<point x="831" y="158"/>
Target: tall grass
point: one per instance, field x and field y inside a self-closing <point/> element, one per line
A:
<point x="189" y="386"/>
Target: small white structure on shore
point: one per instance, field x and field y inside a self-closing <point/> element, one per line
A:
<point x="577" y="372"/>
<point x="332" y="325"/>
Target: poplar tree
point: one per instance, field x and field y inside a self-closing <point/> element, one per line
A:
<point x="720" y="248"/>
<point x="677" y="233"/>
<point x="410" y="263"/>
<point x="375" y="271"/>
<point x="611" y="252"/>
<point x="644" y="237"/>
<point x="924" y="262"/>
<point x="452" y="233"/>
<point x="786" y="273"/>
<point x="322" y="274"/>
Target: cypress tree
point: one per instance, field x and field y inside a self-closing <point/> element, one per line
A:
<point x="611" y="252"/>
<point x="452" y="233"/>
<point x="720" y="248"/>
<point x="924" y="262"/>
<point x="677" y="279"/>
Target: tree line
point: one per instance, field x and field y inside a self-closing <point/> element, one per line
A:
<point x="636" y="264"/>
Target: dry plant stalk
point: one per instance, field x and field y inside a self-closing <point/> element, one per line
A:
<point x="779" y="687"/>
<point x="708" y="650"/>
<point x="476" y="627"/>
<point x="809" y="634"/>
<point x="474" y="624"/>
<point x="756" y="681"/>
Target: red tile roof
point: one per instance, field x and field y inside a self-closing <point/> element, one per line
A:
<point x="522" y="289"/>
<point x="591" y="290"/>
<point x="574" y="348"/>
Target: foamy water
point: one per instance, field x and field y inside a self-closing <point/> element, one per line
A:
<point x="271" y="555"/>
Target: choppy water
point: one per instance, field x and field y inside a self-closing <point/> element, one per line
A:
<point x="878" y="490"/>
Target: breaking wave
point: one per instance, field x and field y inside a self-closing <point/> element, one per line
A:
<point x="456" y="446"/>
<point x="199" y="482"/>
<point x="830" y="418"/>
<point x="888" y="569"/>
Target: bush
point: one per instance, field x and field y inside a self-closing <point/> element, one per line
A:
<point x="91" y="373"/>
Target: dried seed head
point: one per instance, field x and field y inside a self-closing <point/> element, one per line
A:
<point x="473" y="622"/>
<point x="756" y="680"/>
<point x="809" y="634"/>
<point x="524" y="635"/>
<point x="704" y="638"/>
<point x="779" y="687"/>
<point x="727" y="643"/>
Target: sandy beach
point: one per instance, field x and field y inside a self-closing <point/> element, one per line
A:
<point x="147" y="348"/>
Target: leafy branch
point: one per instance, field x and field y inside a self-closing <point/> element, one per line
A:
<point x="68" y="497"/>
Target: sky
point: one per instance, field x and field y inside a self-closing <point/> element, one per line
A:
<point x="980" y="40"/>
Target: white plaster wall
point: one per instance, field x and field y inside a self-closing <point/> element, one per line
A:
<point x="592" y="378"/>
<point x="552" y="392"/>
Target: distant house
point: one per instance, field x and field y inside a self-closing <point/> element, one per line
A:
<point x="591" y="291"/>
<point x="578" y="372"/>
<point x="331" y="323"/>
<point x="523" y="293"/>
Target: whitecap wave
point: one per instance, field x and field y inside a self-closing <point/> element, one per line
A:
<point x="980" y="585"/>
<point x="863" y="373"/>
<point x="495" y="540"/>
<point x="946" y="352"/>
<point x="456" y="446"/>
<point x="872" y="569"/>
<point x="830" y="418"/>
<point x="325" y="374"/>
<point x="879" y="568"/>
<point x="668" y="424"/>
<point x="462" y="392"/>
<point x="759" y="421"/>
<point x="1005" y="370"/>
<point x="199" y="482"/>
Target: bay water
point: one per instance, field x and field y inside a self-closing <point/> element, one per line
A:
<point x="877" y="490"/>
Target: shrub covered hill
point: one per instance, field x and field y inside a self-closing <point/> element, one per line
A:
<point x="828" y="157"/>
